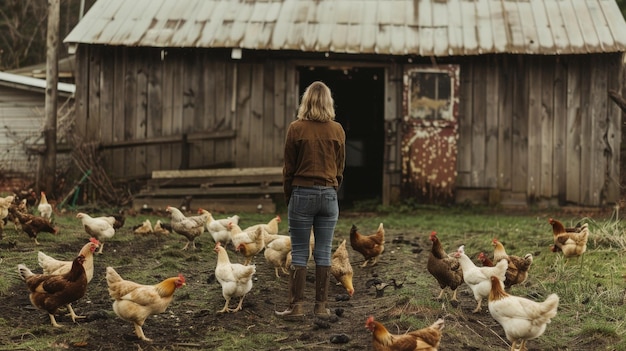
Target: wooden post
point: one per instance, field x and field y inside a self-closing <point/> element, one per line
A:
<point x="47" y="173"/>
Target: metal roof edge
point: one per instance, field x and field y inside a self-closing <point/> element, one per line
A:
<point x="19" y="81"/>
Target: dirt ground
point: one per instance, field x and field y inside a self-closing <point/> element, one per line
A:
<point x="191" y="322"/>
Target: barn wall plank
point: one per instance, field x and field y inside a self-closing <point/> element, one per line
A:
<point x="534" y="131"/>
<point x="207" y="147"/>
<point x="519" y="151"/>
<point x="154" y="109"/>
<point x="178" y="103"/>
<point x="167" y="106"/>
<point x="259" y="135"/>
<point x="492" y="90"/>
<point x="573" y="137"/>
<point x="281" y="116"/>
<point x="464" y="147"/>
<point x="559" y="131"/>
<point x="479" y="112"/>
<point x="82" y="87"/>
<point x="547" y="157"/>
<point x="141" y="120"/>
<point x="191" y="105"/>
<point x="614" y="135"/>
<point x="599" y="124"/>
<point x="118" y="161"/>
<point x="506" y="82"/>
<point x="132" y="114"/>
<point x="93" y="115"/>
<point x="267" y="112"/>
<point x="586" y="131"/>
<point x="242" y="114"/>
<point x="223" y="81"/>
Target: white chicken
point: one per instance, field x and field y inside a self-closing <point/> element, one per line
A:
<point x="97" y="227"/>
<point x="218" y="228"/>
<point x="270" y="227"/>
<point x="522" y="319"/>
<point x="235" y="278"/>
<point x="277" y="252"/>
<point x="214" y="224"/>
<point x="478" y="278"/>
<point x="44" y="208"/>
<point x="189" y="227"/>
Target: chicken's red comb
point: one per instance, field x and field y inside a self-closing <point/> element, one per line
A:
<point x="217" y="244"/>
<point x="370" y="319"/>
<point x="95" y="241"/>
<point x="181" y="277"/>
<point x="494" y="240"/>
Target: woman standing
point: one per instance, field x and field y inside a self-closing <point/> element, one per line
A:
<point x="313" y="171"/>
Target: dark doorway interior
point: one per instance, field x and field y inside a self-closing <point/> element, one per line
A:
<point x="359" y="105"/>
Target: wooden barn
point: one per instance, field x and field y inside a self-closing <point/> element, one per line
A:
<point x="482" y="101"/>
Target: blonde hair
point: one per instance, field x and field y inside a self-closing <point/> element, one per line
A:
<point x="317" y="103"/>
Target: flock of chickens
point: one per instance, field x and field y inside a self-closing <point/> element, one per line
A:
<point x="63" y="282"/>
<point x="522" y="319"/>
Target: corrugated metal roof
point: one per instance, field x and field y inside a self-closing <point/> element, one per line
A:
<point x="396" y="27"/>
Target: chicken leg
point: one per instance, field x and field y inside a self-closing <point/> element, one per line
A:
<point x="225" y="309"/>
<point x="139" y="332"/>
<point x="238" y="308"/>
<point x="101" y="247"/>
<point x="54" y="321"/>
<point x="72" y="314"/>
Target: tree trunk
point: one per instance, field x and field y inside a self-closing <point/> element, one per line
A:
<point x="48" y="171"/>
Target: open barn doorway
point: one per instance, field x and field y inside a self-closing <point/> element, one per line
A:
<point x="359" y="106"/>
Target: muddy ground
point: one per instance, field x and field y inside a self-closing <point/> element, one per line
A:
<point x="191" y="322"/>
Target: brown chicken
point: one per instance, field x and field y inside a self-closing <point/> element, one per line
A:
<point x="572" y="242"/>
<point x="341" y="269"/>
<point x="370" y="246"/>
<point x="145" y="228"/>
<point x="517" y="272"/>
<point x="426" y="339"/>
<point x="50" y="291"/>
<point x="33" y="225"/>
<point x="189" y="227"/>
<point x="445" y="268"/>
<point x="135" y="302"/>
<point x="250" y="248"/>
<point x="51" y="265"/>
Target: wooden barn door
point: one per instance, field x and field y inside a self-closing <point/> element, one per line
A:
<point x="429" y="132"/>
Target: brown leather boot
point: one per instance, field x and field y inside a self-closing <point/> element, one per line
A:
<point x="297" y="281"/>
<point x="322" y="278"/>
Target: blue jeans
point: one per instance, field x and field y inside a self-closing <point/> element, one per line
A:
<point x="315" y="207"/>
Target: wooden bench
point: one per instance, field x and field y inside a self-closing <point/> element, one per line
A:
<point x="223" y="189"/>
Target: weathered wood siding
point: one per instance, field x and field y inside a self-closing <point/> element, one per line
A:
<point x="533" y="128"/>
<point x="21" y="125"/>
<point x="129" y="95"/>
<point x="541" y="126"/>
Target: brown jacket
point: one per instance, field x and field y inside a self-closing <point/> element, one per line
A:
<point x="315" y="154"/>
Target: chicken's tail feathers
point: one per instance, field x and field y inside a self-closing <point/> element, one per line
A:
<point x="42" y="258"/>
<point x="23" y="271"/>
<point x="439" y="324"/>
<point x="112" y="276"/>
<point x="550" y="306"/>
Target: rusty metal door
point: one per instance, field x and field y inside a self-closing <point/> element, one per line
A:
<point x="430" y="132"/>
